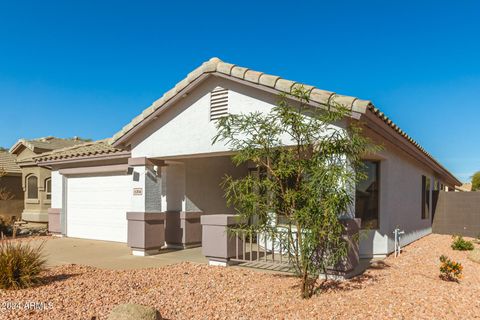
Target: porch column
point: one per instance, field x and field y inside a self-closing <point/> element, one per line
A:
<point x="146" y="231"/>
<point x="182" y="228"/>
<point x="217" y="244"/>
<point x="346" y="267"/>
<point x="56" y="213"/>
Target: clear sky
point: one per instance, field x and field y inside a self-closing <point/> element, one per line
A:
<point x="86" y="68"/>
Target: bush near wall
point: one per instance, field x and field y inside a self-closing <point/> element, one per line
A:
<point x="461" y="244"/>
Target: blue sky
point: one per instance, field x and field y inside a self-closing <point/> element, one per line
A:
<point x="85" y="68"/>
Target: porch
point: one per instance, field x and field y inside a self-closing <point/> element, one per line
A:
<point x="111" y="255"/>
<point x="117" y="256"/>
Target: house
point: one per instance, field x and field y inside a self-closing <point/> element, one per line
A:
<point x="465" y="187"/>
<point x="35" y="180"/>
<point x="161" y="172"/>
<point x="11" y="193"/>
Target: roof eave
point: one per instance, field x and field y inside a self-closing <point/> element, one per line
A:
<point x="122" y="141"/>
<point x="386" y="131"/>
<point x="60" y="161"/>
<point x="17" y="146"/>
<point x="144" y="121"/>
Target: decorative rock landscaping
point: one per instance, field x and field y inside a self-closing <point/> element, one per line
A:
<point x="407" y="287"/>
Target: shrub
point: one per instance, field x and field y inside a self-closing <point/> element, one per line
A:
<point x="476" y="181"/>
<point x="20" y="264"/>
<point x="461" y="244"/>
<point x="6" y="228"/>
<point x="450" y="270"/>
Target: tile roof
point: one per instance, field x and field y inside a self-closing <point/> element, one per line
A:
<point x="8" y="163"/>
<point x="87" y="149"/>
<point x="46" y="143"/>
<point x="215" y="65"/>
<point x="322" y="97"/>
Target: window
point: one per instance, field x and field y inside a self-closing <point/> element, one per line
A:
<point x="32" y="187"/>
<point x="48" y="189"/>
<point x="425" y="197"/>
<point x="367" y="196"/>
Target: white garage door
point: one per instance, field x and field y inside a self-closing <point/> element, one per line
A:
<point x="97" y="207"/>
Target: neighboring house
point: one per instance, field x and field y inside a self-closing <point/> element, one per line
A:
<point x="163" y="168"/>
<point x="36" y="182"/>
<point x="466" y="187"/>
<point x="11" y="193"/>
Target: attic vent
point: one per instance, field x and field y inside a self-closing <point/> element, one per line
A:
<point x="218" y="103"/>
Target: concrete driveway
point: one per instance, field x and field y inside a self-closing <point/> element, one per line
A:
<point x="111" y="255"/>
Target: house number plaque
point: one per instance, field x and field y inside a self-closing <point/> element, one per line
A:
<point x="137" y="191"/>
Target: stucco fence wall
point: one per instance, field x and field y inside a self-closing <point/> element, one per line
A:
<point x="457" y="213"/>
<point x="14" y="207"/>
<point x="11" y="208"/>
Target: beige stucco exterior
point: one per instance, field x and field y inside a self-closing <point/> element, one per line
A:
<point x="12" y="208"/>
<point x="36" y="209"/>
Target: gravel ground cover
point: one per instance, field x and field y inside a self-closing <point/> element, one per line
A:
<point x="407" y="287"/>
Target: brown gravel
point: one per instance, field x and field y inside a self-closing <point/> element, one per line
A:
<point x="407" y="287"/>
<point x="30" y="238"/>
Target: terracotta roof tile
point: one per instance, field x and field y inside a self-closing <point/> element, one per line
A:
<point x="96" y="148"/>
<point x="8" y="162"/>
<point x="46" y="143"/>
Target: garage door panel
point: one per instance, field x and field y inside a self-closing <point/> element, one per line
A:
<point x="97" y="207"/>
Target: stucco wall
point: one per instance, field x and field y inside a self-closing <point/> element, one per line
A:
<point x="203" y="179"/>
<point x="146" y="180"/>
<point x="13" y="184"/>
<point x="400" y="201"/>
<point x="36" y="209"/>
<point x="24" y="154"/>
<point x="458" y="213"/>
<point x="193" y="185"/>
<point x="185" y="129"/>
<point x="57" y="179"/>
<point x="13" y="207"/>
<point x="173" y="187"/>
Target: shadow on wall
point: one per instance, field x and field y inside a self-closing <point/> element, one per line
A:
<point x="203" y="183"/>
<point x="383" y="244"/>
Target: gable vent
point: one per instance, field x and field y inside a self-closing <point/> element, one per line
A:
<point x="218" y="103"/>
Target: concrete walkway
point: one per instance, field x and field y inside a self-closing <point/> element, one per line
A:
<point x="111" y="255"/>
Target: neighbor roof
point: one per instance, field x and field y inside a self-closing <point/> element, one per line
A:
<point x="85" y="150"/>
<point x="466" y="187"/>
<point x="45" y="144"/>
<point x="8" y="163"/>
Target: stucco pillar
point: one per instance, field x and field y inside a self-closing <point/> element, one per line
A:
<point x="146" y="222"/>
<point x="217" y="244"/>
<point x="54" y="222"/>
<point x="182" y="228"/>
<point x="146" y="232"/>
<point x="56" y="214"/>
<point x="351" y="234"/>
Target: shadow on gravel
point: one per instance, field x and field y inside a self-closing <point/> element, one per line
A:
<point x="355" y="283"/>
<point x="378" y="265"/>
<point x="57" y="278"/>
